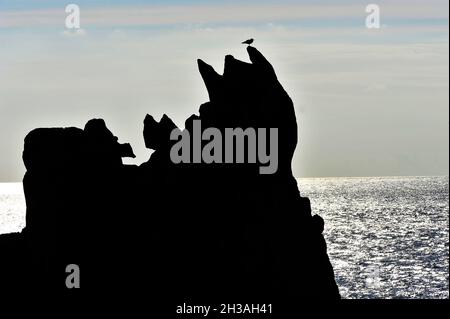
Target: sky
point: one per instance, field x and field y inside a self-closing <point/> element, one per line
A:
<point x="369" y="102"/>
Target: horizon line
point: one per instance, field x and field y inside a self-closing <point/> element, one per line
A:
<point x="324" y="177"/>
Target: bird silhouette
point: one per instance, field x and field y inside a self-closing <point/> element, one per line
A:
<point x="249" y="41"/>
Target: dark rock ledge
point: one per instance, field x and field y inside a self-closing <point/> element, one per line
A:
<point x="186" y="230"/>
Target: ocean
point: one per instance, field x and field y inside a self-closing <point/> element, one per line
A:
<point x="387" y="237"/>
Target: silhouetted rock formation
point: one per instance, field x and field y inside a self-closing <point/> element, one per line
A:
<point x="182" y="230"/>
